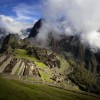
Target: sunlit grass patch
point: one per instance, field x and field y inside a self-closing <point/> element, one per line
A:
<point x="20" y="53"/>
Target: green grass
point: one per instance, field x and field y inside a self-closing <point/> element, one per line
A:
<point x="41" y="65"/>
<point x="46" y="77"/>
<point x="44" y="71"/>
<point x="63" y="64"/>
<point x="20" y="53"/>
<point x="15" y="90"/>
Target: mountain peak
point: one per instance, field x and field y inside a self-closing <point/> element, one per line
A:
<point x="36" y="27"/>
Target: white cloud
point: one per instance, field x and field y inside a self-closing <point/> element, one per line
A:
<point x="93" y="40"/>
<point x="13" y="26"/>
<point x="69" y="17"/>
<point x="26" y="16"/>
<point x="26" y="12"/>
<point x="80" y="17"/>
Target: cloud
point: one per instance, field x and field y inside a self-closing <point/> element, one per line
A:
<point x="68" y="17"/>
<point x="26" y="12"/>
<point x="81" y="17"/>
<point x="44" y="34"/>
<point x="93" y="39"/>
<point x="10" y="25"/>
<point x="25" y="17"/>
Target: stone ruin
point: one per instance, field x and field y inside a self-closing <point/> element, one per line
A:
<point x="19" y="67"/>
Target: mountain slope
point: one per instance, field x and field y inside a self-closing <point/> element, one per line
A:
<point x="66" y="64"/>
<point x="34" y="30"/>
<point x="16" y="90"/>
<point x="1" y="41"/>
<point x="81" y="59"/>
<point x="71" y="47"/>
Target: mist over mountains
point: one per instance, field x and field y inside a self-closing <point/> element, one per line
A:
<point x="80" y="17"/>
<point x="62" y="43"/>
<point x="54" y="43"/>
<point x="68" y="17"/>
<point x="81" y="64"/>
<point x="9" y="25"/>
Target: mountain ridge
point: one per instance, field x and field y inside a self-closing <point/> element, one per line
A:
<point x="72" y="45"/>
<point x="65" y="63"/>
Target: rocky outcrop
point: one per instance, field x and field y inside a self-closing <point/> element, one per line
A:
<point x="1" y="41"/>
<point x="35" y="29"/>
<point x="10" y="42"/>
<point x="72" y="48"/>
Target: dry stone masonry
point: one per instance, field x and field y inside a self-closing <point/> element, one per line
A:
<point x="17" y="66"/>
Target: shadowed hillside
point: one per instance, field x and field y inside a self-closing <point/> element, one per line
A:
<point x="15" y="90"/>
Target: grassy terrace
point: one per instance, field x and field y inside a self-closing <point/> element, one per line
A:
<point x="15" y="90"/>
<point x="20" y="53"/>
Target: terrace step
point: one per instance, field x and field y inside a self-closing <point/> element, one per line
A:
<point x="16" y="66"/>
<point x="10" y="66"/>
<point x="5" y="63"/>
<point x="2" y="58"/>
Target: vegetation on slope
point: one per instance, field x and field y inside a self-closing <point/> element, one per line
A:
<point x="15" y="90"/>
<point x="76" y="73"/>
<point x="21" y="53"/>
<point x="84" y="79"/>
